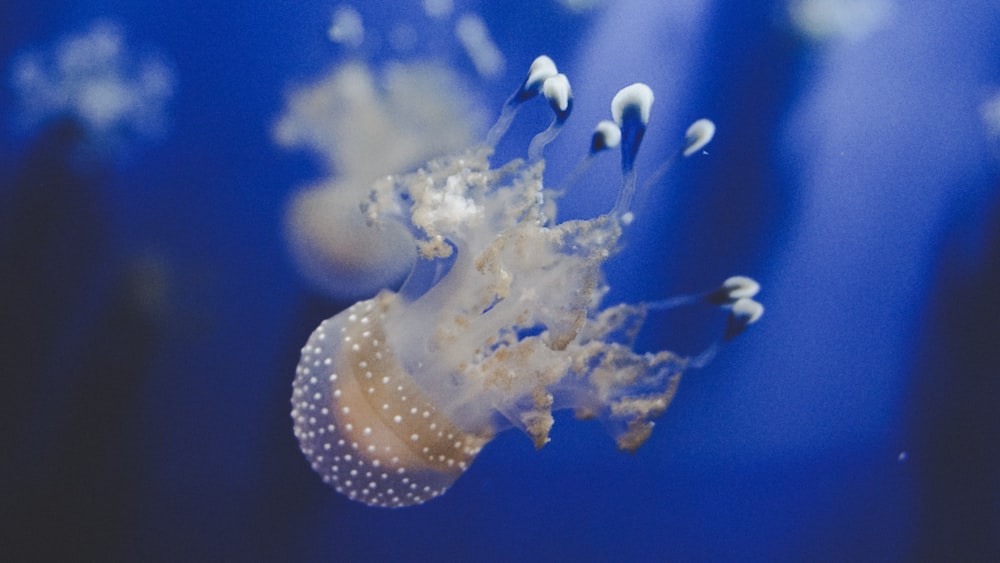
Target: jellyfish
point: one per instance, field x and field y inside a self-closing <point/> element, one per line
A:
<point x="365" y="125"/>
<point x="118" y="95"/>
<point x="499" y="324"/>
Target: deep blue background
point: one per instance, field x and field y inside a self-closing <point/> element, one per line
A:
<point x="855" y="179"/>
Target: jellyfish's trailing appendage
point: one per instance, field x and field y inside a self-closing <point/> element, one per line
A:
<point x="732" y="289"/>
<point x="560" y="97"/>
<point x="735" y="294"/>
<point x="606" y="136"/>
<point x="499" y="325"/>
<point x="745" y="311"/>
<point x="542" y="68"/>
<point x="698" y="135"/>
<point x="630" y="109"/>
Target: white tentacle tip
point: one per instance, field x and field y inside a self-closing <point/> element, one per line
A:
<point x="738" y="287"/>
<point x="607" y="135"/>
<point x="541" y="69"/>
<point x="733" y="289"/>
<point x="633" y="100"/>
<point x="748" y="310"/>
<point x="558" y="93"/>
<point x="698" y="135"/>
<point x="744" y="313"/>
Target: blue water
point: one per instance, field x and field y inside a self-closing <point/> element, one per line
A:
<point x="151" y="315"/>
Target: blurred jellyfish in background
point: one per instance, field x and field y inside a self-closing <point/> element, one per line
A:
<point x="835" y="20"/>
<point x="366" y="122"/>
<point x="990" y="112"/>
<point x="580" y="5"/>
<point x="116" y="95"/>
<point x="82" y="314"/>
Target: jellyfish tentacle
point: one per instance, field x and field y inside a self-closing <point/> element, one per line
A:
<point x="698" y="135"/>
<point x="742" y="313"/>
<point x="736" y="294"/>
<point x="630" y="109"/>
<point x="725" y="295"/>
<point x="606" y="136"/>
<point x="732" y="289"/>
<point x="558" y="93"/>
<point x="541" y="69"/>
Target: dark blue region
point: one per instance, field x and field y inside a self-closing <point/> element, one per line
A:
<point x="151" y="318"/>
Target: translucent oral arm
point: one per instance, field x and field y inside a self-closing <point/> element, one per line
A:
<point x="560" y="97"/>
<point x="541" y="69"/>
<point x="630" y="110"/>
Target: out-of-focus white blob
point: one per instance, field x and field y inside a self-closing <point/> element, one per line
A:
<point x="990" y="112"/>
<point x="744" y="313"/>
<point x="347" y="27"/>
<point x="698" y="135"/>
<point x="732" y="290"/>
<point x="853" y="20"/>
<point x="94" y="77"/>
<point x="366" y="128"/>
<point x="579" y="5"/>
<point x="475" y="38"/>
<point x="739" y="287"/>
<point x="438" y="8"/>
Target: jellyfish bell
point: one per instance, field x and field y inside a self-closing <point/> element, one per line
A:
<point x="367" y="426"/>
<point x="499" y="325"/>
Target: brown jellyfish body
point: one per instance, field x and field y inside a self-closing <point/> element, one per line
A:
<point x="499" y="325"/>
<point x="394" y="397"/>
<point x="364" y="423"/>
